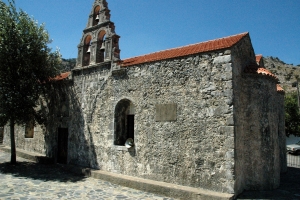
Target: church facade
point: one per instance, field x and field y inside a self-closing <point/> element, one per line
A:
<point x="207" y="115"/>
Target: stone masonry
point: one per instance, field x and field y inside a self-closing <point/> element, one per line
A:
<point x="197" y="119"/>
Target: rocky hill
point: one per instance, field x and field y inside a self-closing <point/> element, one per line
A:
<point x="68" y="64"/>
<point x="286" y="73"/>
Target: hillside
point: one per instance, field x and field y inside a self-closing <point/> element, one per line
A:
<point x="68" y="64"/>
<point x="286" y="73"/>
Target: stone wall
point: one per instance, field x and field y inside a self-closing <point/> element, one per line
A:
<point x="195" y="150"/>
<point x="35" y="144"/>
<point x="258" y="134"/>
<point x="259" y="125"/>
<point x="241" y="57"/>
<point x="281" y="132"/>
<point x="44" y="140"/>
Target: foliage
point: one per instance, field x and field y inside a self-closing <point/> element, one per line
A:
<point x="288" y="76"/>
<point x="26" y="64"/>
<point x="68" y="64"/>
<point x="26" y="67"/>
<point x="292" y="115"/>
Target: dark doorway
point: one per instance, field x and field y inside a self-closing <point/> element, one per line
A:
<point x="1" y="135"/>
<point x="130" y="126"/>
<point x="62" y="146"/>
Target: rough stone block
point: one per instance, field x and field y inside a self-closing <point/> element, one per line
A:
<point x="222" y="59"/>
<point x="227" y="130"/>
<point x="226" y="76"/>
<point x="230" y="121"/>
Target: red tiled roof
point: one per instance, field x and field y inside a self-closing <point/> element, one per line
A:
<point x="61" y="76"/>
<point x="280" y="89"/>
<point x="256" y="69"/>
<point x="211" y="45"/>
<point x="258" y="58"/>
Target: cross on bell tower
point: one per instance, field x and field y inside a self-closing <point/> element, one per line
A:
<point x="99" y="42"/>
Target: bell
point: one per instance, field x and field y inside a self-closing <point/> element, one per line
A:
<point x="89" y="50"/>
<point x="97" y="18"/>
<point x="102" y="47"/>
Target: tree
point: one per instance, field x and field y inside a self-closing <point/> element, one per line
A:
<point x="26" y="64"/>
<point x="292" y="115"/>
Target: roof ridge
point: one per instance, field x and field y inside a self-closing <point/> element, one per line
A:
<point x="212" y="40"/>
<point x="206" y="46"/>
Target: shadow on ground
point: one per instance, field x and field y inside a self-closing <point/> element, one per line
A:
<point x="39" y="172"/>
<point x="289" y="188"/>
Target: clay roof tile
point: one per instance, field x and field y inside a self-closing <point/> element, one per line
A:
<point x="256" y="69"/>
<point x="61" y="76"/>
<point x="207" y="46"/>
<point x="280" y="89"/>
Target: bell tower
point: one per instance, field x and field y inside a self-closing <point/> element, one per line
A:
<point x="99" y="42"/>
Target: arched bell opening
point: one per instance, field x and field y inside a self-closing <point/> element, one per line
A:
<point x="86" y="51"/>
<point x="96" y="15"/>
<point x="123" y="122"/>
<point x="101" y="49"/>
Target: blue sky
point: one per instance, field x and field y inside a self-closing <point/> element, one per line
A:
<point x="147" y="26"/>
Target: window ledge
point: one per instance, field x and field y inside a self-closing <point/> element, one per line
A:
<point x="122" y="148"/>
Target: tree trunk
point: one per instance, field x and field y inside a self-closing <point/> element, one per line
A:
<point x="13" y="159"/>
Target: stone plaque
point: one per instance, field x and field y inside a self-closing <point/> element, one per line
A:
<point x="166" y="112"/>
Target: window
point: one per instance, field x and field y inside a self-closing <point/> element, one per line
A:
<point x="124" y="122"/>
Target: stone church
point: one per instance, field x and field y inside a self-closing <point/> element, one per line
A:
<point x="206" y="115"/>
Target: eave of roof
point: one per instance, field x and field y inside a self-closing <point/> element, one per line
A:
<point x="212" y="45"/>
<point x="256" y="69"/>
<point x="60" y="77"/>
<point x="280" y="89"/>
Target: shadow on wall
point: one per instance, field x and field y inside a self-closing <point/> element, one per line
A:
<point x="68" y="139"/>
<point x="81" y="146"/>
